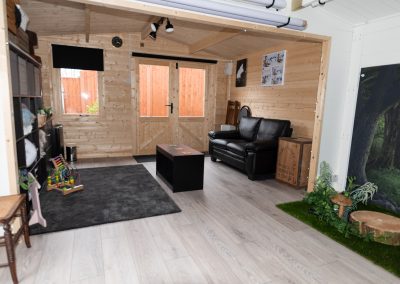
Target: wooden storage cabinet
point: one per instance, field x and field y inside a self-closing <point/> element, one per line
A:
<point x="293" y="161"/>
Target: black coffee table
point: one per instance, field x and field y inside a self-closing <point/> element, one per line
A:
<point x="180" y="166"/>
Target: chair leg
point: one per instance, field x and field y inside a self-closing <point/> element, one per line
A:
<point x="24" y="218"/>
<point x="10" y="252"/>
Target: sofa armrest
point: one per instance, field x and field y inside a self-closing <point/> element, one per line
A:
<point x="265" y="145"/>
<point x="232" y="134"/>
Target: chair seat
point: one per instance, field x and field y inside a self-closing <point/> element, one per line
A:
<point x="9" y="204"/>
<point x="237" y="147"/>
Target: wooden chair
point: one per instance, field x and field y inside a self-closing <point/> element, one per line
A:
<point x="232" y="112"/>
<point x="11" y="207"/>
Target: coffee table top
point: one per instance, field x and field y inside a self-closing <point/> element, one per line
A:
<point x="178" y="150"/>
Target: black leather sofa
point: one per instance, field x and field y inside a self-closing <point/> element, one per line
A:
<point x="252" y="148"/>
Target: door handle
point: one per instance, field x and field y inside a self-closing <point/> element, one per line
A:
<point x="171" y="105"/>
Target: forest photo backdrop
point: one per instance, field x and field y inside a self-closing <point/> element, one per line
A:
<point x="375" y="148"/>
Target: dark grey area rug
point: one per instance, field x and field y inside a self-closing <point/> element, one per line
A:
<point x="111" y="194"/>
<point x="145" y="159"/>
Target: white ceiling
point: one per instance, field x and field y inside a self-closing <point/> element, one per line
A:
<point x="360" y="11"/>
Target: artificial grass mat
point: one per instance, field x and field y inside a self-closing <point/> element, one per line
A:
<point x="385" y="256"/>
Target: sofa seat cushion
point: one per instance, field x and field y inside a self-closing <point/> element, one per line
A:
<point x="222" y="143"/>
<point x="248" y="127"/>
<point x="237" y="148"/>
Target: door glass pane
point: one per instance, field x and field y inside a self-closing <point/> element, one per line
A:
<point x="191" y="92"/>
<point x="153" y="89"/>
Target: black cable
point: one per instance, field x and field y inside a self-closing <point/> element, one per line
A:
<point x="269" y="6"/>
<point x="284" y="25"/>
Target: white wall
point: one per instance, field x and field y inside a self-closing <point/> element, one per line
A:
<point x="341" y="33"/>
<point x="353" y="47"/>
<point x="375" y="43"/>
<point x="8" y="176"/>
<point x="381" y="42"/>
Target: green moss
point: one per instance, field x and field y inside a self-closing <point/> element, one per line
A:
<point x="383" y="255"/>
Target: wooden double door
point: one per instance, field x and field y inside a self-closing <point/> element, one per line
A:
<point x="172" y="104"/>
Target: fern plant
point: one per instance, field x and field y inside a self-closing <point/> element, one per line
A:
<point x="364" y="193"/>
<point x="321" y="205"/>
<point x="320" y="197"/>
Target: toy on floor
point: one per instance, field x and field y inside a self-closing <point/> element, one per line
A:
<point x="28" y="182"/>
<point x="63" y="177"/>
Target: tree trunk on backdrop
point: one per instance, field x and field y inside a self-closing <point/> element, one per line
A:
<point x="379" y="90"/>
<point x="390" y="138"/>
<point x="396" y="162"/>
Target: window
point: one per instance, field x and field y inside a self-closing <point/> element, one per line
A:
<point x="191" y="92"/>
<point x="79" y="90"/>
<point x="154" y="90"/>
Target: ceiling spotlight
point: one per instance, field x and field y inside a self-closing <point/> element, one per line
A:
<point x="169" y="28"/>
<point x="153" y="35"/>
<point x="155" y="26"/>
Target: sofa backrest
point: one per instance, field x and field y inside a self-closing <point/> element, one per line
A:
<point x="273" y="129"/>
<point x="248" y="127"/>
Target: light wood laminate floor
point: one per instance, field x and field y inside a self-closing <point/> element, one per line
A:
<point x="231" y="232"/>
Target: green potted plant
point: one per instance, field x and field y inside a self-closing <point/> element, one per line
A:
<point x="43" y="114"/>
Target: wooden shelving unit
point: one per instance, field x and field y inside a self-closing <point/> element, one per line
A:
<point x="27" y="92"/>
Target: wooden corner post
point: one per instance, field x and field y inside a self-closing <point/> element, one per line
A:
<point x="319" y="110"/>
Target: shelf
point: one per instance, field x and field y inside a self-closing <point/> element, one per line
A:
<point x="26" y="96"/>
<point x="27" y="135"/>
<point x="24" y="54"/>
<point x="31" y="167"/>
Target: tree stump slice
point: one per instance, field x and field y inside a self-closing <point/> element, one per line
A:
<point x="384" y="228"/>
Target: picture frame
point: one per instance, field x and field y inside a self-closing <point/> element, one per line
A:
<point x="273" y="69"/>
<point x="241" y="72"/>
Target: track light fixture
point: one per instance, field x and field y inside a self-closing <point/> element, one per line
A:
<point x="155" y="26"/>
<point x="169" y="28"/>
<point x="153" y="35"/>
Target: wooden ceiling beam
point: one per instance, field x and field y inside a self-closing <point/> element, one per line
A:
<point x="146" y="28"/>
<point x="212" y="40"/>
<point x="87" y="23"/>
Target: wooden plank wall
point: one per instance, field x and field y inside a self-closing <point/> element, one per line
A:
<point x="296" y="99"/>
<point x="222" y="96"/>
<point x="110" y="134"/>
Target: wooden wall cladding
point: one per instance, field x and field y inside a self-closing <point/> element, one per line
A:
<point x="110" y="134"/>
<point x="12" y="27"/>
<point x="221" y="96"/>
<point x="296" y="99"/>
